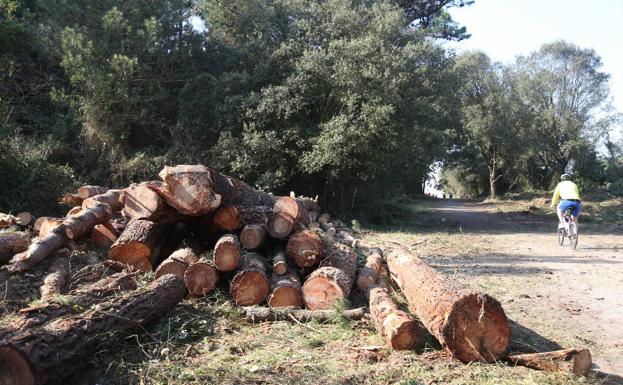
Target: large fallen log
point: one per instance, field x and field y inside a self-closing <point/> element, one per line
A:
<point x="12" y="243"/>
<point x="280" y="225"/>
<point x="264" y="314"/>
<point x="59" y="347"/>
<point x="575" y="360"/>
<point x="201" y="277"/>
<point x="138" y="245"/>
<point x="333" y="280"/>
<point x="250" y="285"/>
<point x="305" y="248"/>
<point x="471" y="326"/>
<point x="177" y="263"/>
<point x="285" y="290"/>
<point x="55" y="281"/>
<point x="369" y="274"/>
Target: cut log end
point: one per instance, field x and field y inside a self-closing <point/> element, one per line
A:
<point x="14" y="369"/>
<point x="286" y="297"/>
<point x="133" y="253"/>
<point x="321" y="293"/>
<point x="249" y="288"/>
<point x="403" y="333"/>
<point x="227" y="253"/>
<point x="477" y="329"/>
<point x="280" y="225"/>
<point x="252" y="236"/>
<point x="200" y="278"/>
<point x="171" y="267"/>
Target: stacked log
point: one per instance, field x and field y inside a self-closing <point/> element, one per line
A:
<point x="227" y="253"/>
<point x="250" y="284"/>
<point x="54" y="283"/>
<point x="305" y="248"/>
<point x="177" y="263"/>
<point x="280" y="266"/>
<point x="252" y="236"/>
<point x="138" y="245"/>
<point x="201" y="277"/>
<point x="285" y="290"/>
<point x="369" y="274"/>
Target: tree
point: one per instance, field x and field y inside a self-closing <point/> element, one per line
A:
<point x="432" y="17"/>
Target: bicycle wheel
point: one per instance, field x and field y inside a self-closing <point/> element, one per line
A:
<point x="573" y="235"/>
<point x="561" y="236"/>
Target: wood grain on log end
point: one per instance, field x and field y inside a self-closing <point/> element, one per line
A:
<point x="201" y="277"/>
<point x="15" y="369"/>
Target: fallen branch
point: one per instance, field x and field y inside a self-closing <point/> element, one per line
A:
<point x="264" y="314"/>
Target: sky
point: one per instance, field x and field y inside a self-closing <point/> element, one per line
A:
<point x="504" y="29"/>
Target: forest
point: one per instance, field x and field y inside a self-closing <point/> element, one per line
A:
<point x="350" y="100"/>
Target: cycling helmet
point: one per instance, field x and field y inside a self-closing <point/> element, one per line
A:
<point x="565" y="176"/>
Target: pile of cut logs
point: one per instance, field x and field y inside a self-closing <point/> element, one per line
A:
<point x="195" y="227"/>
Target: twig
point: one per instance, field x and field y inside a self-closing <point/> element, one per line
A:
<point x="302" y="324"/>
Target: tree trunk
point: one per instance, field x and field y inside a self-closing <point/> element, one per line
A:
<point x="85" y="192"/>
<point x="285" y="290"/>
<point x="189" y="189"/>
<point x="177" y="263"/>
<point x="12" y="243"/>
<point x="280" y="225"/>
<point x="492" y="180"/>
<point x="227" y="218"/>
<point x="138" y="245"/>
<point x="333" y="280"/>
<point x="369" y="274"/>
<point x="250" y="285"/>
<point x="227" y="253"/>
<point x="252" y="236"/>
<point x="471" y="326"/>
<point x="54" y="283"/>
<point x="113" y="198"/>
<point x="305" y="248"/>
<point x="398" y="328"/>
<point x="141" y="201"/>
<point x="78" y="226"/>
<point x="201" y="277"/>
<point x="264" y="314"/>
<point x="280" y="266"/>
<point x="64" y="345"/>
<point x="575" y="360"/>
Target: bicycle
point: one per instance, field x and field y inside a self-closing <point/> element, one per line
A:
<point x="569" y="229"/>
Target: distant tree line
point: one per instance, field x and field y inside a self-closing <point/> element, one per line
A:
<point x="351" y="100"/>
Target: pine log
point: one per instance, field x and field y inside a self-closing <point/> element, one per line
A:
<point x="280" y="225"/>
<point x="24" y="218"/>
<point x="85" y="192"/>
<point x="305" y="248"/>
<point x="201" y="277"/>
<point x="12" y="243"/>
<point x="189" y="189"/>
<point x="78" y="226"/>
<point x="105" y="235"/>
<point x="254" y="214"/>
<point x="138" y="245"/>
<point x="141" y="201"/>
<point x="250" y="285"/>
<point x="399" y="329"/>
<point x="252" y="236"/>
<point x="39" y="250"/>
<point x="285" y="290"/>
<point x="292" y="207"/>
<point x="333" y="280"/>
<point x="71" y="200"/>
<point x="227" y="218"/>
<point x="575" y="360"/>
<point x="54" y="283"/>
<point x="227" y="253"/>
<point x="265" y="314"/>
<point x="280" y="266"/>
<point x="177" y="263"/>
<point x="45" y="225"/>
<point x="113" y="198"/>
<point x="238" y="193"/>
<point x="369" y="274"/>
<point x="471" y="326"/>
<point x="60" y="347"/>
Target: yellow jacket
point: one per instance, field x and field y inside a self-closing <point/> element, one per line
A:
<point x="565" y="190"/>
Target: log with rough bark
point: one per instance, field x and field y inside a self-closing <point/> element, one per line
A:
<point x="141" y="201"/>
<point x="105" y="235"/>
<point x="189" y="189"/>
<point x="250" y="285"/>
<point x="177" y="263"/>
<point x="24" y="218"/>
<point x="252" y="236"/>
<point x="305" y="248"/>
<point x="575" y="360"/>
<point x="238" y="193"/>
<point x="265" y="314"/>
<point x="12" y="243"/>
<point x="138" y="245"/>
<point x="78" y="226"/>
<point x="85" y="192"/>
<point x="59" y="347"/>
<point x="55" y="281"/>
<point x="333" y="280"/>
<point x="280" y="225"/>
<point x="113" y="198"/>
<point x="399" y="329"/>
<point x="280" y="266"/>
<point x="285" y="290"/>
<point x="45" y="225"/>
<point x="254" y="214"/>
<point x="227" y="253"/>
<point x="201" y="277"/>
<point x="471" y="326"/>
<point x="227" y="218"/>
<point x="369" y="274"/>
<point x="292" y="207"/>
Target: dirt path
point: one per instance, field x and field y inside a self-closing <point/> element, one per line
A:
<point x="572" y="297"/>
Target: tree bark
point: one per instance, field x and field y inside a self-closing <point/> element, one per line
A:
<point x="471" y="326"/>
<point x="113" y="198"/>
<point x="39" y="250"/>
<point x="227" y="218"/>
<point x="333" y="280"/>
<point x="285" y="290"/>
<point x="54" y="283"/>
<point x="250" y="285"/>
<point x="238" y="193"/>
<point x="280" y="266"/>
<point x="78" y="226"/>
<point x="227" y="253"/>
<point x="13" y="243"/>
<point x="369" y="274"/>
<point x="398" y="328"/>
<point x="575" y="360"/>
<point x="63" y="345"/>
<point x="201" y="277"/>
<point x="264" y="314"/>
<point x="252" y="236"/>
<point x="138" y="245"/>
<point x="305" y="248"/>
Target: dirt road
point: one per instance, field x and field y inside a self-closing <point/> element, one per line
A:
<point x="556" y="295"/>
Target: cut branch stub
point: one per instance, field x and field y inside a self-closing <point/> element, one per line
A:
<point x="250" y="285"/>
<point x="201" y="277"/>
<point x="305" y="248"/>
<point x="471" y="326"/>
<point x="189" y="189"/>
<point x="227" y="253"/>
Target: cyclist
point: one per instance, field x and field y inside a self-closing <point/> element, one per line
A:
<point x="569" y="195"/>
